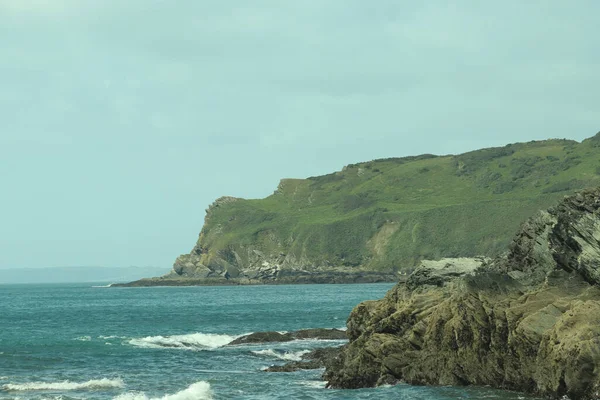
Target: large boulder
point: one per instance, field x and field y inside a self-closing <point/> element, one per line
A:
<point x="527" y="321"/>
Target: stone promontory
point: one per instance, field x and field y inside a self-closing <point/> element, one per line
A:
<point x="374" y="221"/>
<point x="528" y="320"/>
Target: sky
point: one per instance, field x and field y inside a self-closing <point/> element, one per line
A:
<point x="121" y="121"/>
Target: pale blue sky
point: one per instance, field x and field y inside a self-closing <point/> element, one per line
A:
<point x="120" y="121"/>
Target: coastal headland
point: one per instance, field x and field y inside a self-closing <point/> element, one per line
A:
<point x="375" y="221"/>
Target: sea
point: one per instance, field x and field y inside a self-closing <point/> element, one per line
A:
<point x="86" y="341"/>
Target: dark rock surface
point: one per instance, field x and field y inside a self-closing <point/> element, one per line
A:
<point x="320" y="334"/>
<point x="263" y="337"/>
<point x="195" y="278"/>
<point x="266" y="337"/>
<point x="527" y="321"/>
<point x="318" y="358"/>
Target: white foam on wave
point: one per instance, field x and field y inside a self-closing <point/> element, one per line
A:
<point x="287" y="356"/>
<point x="313" y="384"/>
<point x="111" y="337"/>
<point x="103" y="286"/>
<point x="197" y="391"/>
<point x="317" y="342"/>
<point x="93" y="384"/>
<point x="194" y="341"/>
<point x="83" y="338"/>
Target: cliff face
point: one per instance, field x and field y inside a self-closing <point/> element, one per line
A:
<point x="375" y="219"/>
<point x="528" y="321"/>
<point x="261" y="257"/>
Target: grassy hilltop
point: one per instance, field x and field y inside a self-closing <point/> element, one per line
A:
<point x="385" y="215"/>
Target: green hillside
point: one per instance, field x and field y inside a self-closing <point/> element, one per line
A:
<point x="384" y="215"/>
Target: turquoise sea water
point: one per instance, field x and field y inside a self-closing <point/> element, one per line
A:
<point x="82" y="342"/>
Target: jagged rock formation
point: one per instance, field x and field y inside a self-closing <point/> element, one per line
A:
<point x="527" y="321"/>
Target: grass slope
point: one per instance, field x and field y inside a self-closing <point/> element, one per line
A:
<point x="387" y="214"/>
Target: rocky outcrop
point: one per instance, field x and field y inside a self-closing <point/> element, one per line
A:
<point x="315" y="359"/>
<point x="199" y="275"/>
<point x="316" y="333"/>
<point x="374" y="219"/>
<point x="527" y="321"/>
<point x="438" y="273"/>
<point x="262" y="337"/>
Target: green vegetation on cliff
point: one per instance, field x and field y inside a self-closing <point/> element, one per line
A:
<point x="385" y="215"/>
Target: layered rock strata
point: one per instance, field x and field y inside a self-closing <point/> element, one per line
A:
<point x="527" y="321"/>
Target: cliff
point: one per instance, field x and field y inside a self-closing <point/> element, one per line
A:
<point x="374" y="220"/>
<point x="528" y="320"/>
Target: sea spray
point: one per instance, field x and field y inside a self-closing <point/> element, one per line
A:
<point x="194" y="341"/>
<point x="197" y="391"/>
<point x="313" y="384"/>
<point x="93" y="384"/>
<point x="287" y="356"/>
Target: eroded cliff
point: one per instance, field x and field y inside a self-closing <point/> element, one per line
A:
<point x="371" y="220"/>
<point x="528" y="321"/>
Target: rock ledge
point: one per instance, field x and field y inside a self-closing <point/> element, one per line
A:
<point x="527" y="321"/>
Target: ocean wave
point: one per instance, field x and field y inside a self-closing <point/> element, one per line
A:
<point x="287" y="356"/>
<point x="83" y="338"/>
<point x="194" y="341"/>
<point x="93" y="384"/>
<point x="313" y="384"/>
<point x="197" y="391"/>
<point x="102" y="286"/>
<point x="317" y="342"/>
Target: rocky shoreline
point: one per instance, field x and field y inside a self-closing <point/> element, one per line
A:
<point x="372" y="219"/>
<point x="300" y="278"/>
<point x="314" y="359"/>
<point x="526" y="321"/>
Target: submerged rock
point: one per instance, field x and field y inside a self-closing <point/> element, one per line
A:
<point x="320" y="334"/>
<point x="527" y="321"/>
<point x="263" y="337"/>
<point x="266" y="337"/>
<point x="318" y="358"/>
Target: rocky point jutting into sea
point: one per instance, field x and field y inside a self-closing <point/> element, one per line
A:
<point x="528" y="320"/>
<point x="373" y="220"/>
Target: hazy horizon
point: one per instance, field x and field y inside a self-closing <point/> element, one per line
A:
<point x="122" y="121"/>
<point x="77" y="274"/>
